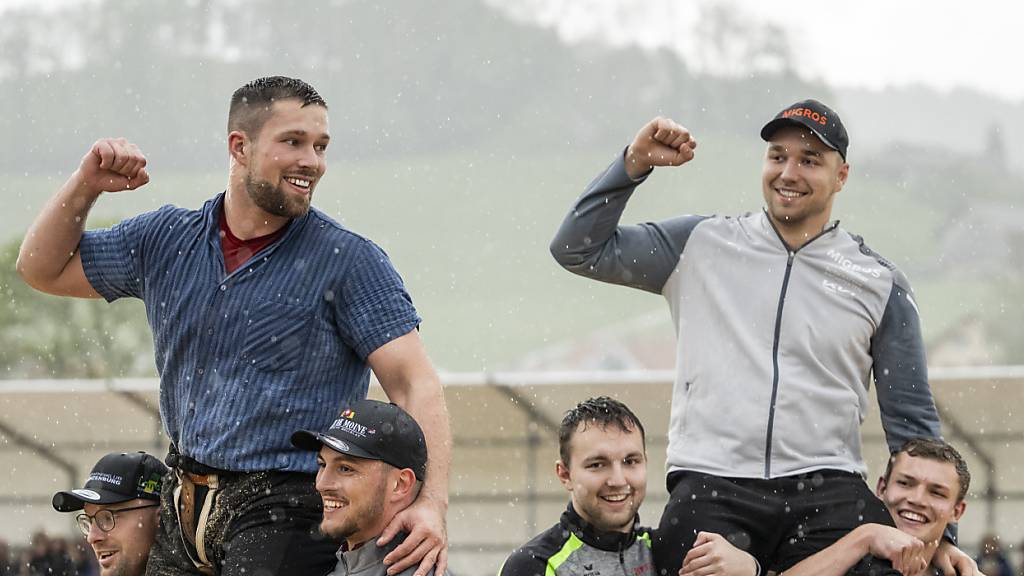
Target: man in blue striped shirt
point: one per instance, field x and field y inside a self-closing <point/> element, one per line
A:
<point x="266" y="316"/>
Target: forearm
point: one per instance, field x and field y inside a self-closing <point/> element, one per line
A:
<point x="424" y="401"/>
<point x="594" y="218"/>
<point x="51" y="242"/>
<point x="590" y="242"/>
<point x="837" y="559"/>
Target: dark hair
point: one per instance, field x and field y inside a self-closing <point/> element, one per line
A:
<point x="602" y="411"/>
<point x="250" y="104"/>
<point x="938" y="450"/>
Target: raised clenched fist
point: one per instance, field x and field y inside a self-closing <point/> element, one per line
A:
<point x="661" y="142"/>
<point x="113" y="165"/>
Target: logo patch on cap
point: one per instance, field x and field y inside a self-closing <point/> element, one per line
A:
<point x="820" y="118"/>
<point x="150" y="486"/>
<point x="350" y="414"/>
<point x="337" y="444"/>
<point x="87" y="494"/>
<point x="350" y="427"/>
<point x="114" y="479"/>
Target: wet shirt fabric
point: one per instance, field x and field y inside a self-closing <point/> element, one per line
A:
<point x="368" y="560"/>
<point x="247" y="358"/>
<point x="574" y="548"/>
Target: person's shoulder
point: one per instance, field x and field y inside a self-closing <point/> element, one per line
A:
<point x="885" y="265"/>
<point x="532" y="558"/>
<point x="327" y="228"/>
<point x="168" y="212"/>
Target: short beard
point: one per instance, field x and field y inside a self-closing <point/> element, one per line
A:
<point x="369" y="513"/>
<point x="273" y="200"/>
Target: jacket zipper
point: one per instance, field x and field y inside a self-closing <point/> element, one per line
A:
<point x="622" y="560"/>
<point x="775" y="368"/>
<point x="778" y="332"/>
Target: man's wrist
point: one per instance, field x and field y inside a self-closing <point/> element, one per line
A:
<point x="635" y="168"/>
<point x="82" y="191"/>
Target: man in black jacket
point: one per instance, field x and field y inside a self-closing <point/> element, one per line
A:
<point x="603" y="464"/>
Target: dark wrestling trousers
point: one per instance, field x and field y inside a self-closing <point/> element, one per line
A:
<point x="252" y="524"/>
<point x="779" y="521"/>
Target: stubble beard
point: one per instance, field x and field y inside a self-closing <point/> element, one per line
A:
<point x="274" y="200"/>
<point x="356" y="516"/>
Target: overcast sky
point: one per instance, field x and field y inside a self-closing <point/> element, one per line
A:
<point x="868" y="43"/>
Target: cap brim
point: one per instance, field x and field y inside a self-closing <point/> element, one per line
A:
<point x="771" y="127"/>
<point x="72" y="500"/>
<point x="313" y="441"/>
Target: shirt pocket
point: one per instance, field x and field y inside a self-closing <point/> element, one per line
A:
<point x="276" y="336"/>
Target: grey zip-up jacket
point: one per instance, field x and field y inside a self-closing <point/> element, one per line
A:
<point x="776" y="347"/>
<point x="368" y="560"/>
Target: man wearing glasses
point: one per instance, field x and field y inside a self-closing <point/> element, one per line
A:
<point x="119" y="510"/>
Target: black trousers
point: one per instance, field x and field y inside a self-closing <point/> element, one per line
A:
<point x="779" y="521"/>
<point x="262" y="524"/>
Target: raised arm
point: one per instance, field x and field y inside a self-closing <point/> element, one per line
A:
<point x="409" y="380"/>
<point x="590" y="241"/>
<point x="49" y="260"/>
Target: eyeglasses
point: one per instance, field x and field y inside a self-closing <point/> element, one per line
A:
<point x="104" y="518"/>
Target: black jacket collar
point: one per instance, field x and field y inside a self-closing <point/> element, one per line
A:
<point x="603" y="540"/>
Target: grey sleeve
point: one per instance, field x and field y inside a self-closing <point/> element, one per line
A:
<point x="590" y="242"/>
<point x="901" y="372"/>
<point x="901" y="375"/>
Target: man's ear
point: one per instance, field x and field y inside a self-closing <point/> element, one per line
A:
<point x="402" y="483"/>
<point x="880" y="487"/>
<point x="842" y="175"/>
<point x="239" y="147"/>
<point x="562" y="471"/>
<point x="959" y="510"/>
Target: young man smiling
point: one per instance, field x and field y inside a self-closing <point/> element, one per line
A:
<point x="781" y="320"/>
<point x="118" y="510"/>
<point x="923" y="488"/>
<point x="372" y="462"/>
<point x="266" y="314"/>
<point x="603" y="465"/>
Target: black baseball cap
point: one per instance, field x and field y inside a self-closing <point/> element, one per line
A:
<point x="117" y="477"/>
<point x="374" y="430"/>
<point x="817" y="117"/>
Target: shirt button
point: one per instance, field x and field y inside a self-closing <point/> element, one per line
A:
<point x="200" y="371"/>
<point x="210" y="331"/>
<point x="223" y="287"/>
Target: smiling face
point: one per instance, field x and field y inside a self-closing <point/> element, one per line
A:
<point x="923" y="495"/>
<point x="606" y="474"/>
<point x="124" y="550"/>
<point x="286" y="160"/>
<point x="799" y="180"/>
<point x="354" y="495"/>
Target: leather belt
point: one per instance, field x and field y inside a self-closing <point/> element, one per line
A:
<point x="194" y="500"/>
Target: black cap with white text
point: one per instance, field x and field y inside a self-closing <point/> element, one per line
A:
<point x="117" y="477"/>
<point x="374" y="430"/>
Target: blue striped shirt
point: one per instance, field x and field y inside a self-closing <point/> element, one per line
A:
<point x="247" y="358"/>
